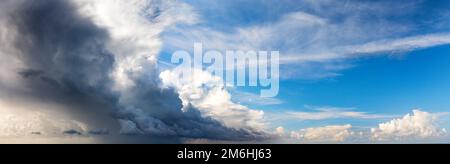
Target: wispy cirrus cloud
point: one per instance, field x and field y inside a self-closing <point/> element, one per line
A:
<point x="400" y="45"/>
<point x="318" y="40"/>
<point x="382" y="47"/>
<point x="327" y="113"/>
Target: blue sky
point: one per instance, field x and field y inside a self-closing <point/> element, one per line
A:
<point x="380" y="85"/>
<point x="381" y="58"/>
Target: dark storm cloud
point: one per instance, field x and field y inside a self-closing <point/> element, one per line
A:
<point x="29" y="73"/>
<point x="99" y="132"/>
<point x="58" y="43"/>
<point x="72" y="132"/>
<point x="67" y="60"/>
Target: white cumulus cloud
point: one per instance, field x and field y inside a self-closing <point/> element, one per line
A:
<point x="417" y="125"/>
<point x="135" y="27"/>
<point x="208" y="93"/>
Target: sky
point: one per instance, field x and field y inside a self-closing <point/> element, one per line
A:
<point x="366" y="71"/>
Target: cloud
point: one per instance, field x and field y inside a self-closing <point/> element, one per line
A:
<point x="334" y="133"/>
<point x="72" y="132"/>
<point x="400" y="45"/>
<point x="323" y="37"/>
<point x="280" y="131"/>
<point x="134" y="27"/>
<point x="99" y="132"/>
<point x="208" y="93"/>
<point x="94" y="58"/>
<point x="19" y="121"/>
<point x="381" y="47"/>
<point x="134" y="66"/>
<point x="253" y="99"/>
<point x="326" y="113"/>
<point x="129" y="128"/>
<point x="418" y="125"/>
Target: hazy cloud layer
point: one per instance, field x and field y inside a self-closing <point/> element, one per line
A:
<point x="334" y="133"/>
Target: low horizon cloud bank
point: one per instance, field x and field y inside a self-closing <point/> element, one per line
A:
<point x="417" y="126"/>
